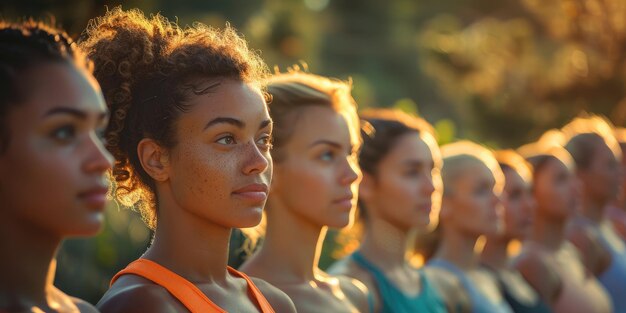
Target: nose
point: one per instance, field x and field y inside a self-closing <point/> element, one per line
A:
<point x="256" y="161"/>
<point x="351" y="172"/>
<point x="429" y="186"/>
<point x="99" y="159"/>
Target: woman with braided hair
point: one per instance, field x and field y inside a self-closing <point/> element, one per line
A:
<point x="190" y="133"/>
<point x="52" y="162"/>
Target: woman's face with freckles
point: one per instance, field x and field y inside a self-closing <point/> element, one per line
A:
<point x="220" y="167"/>
<point x="318" y="178"/>
<point x="52" y="173"/>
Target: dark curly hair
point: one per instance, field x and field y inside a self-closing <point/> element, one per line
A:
<point x="24" y="46"/>
<point x="148" y="69"/>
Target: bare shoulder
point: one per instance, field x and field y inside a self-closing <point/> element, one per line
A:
<point x="357" y="281"/>
<point x="594" y="255"/>
<point x="279" y="300"/>
<point x="356" y="291"/>
<point x="348" y="268"/>
<point x="540" y="274"/>
<point x="449" y="288"/>
<point x="84" y="306"/>
<point x="135" y="294"/>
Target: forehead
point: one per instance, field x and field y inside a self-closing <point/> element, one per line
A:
<point x="474" y="172"/>
<point x="61" y="84"/>
<point x="322" y="123"/>
<point x="512" y="179"/>
<point x="231" y="98"/>
<point x="410" y="147"/>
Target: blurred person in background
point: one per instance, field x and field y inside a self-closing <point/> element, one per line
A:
<point x="316" y="175"/>
<point x="548" y="261"/>
<point x="400" y="191"/>
<point x="52" y="162"/>
<point x="518" y="206"/>
<point x="598" y="155"/>
<point x="470" y="210"/>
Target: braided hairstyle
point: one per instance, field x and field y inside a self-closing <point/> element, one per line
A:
<point x="149" y="68"/>
<point x="24" y="46"/>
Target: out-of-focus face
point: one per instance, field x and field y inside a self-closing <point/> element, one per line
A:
<point x="518" y="205"/>
<point x="52" y="174"/>
<point x="556" y="190"/>
<point x="221" y="168"/>
<point x="318" y="178"/>
<point x="473" y="203"/>
<point x="602" y="177"/>
<point x="407" y="179"/>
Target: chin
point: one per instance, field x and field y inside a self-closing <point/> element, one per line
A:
<point x="85" y="229"/>
<point x="340" y="222"/>
<point x="252" y="218"/>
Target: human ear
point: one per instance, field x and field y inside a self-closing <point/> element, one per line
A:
<point x="154" y="159"/>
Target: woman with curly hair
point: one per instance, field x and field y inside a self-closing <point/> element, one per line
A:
<point x="190" y="133"/>
<point x="314" y="187"/>
<point x="52" y="162"/>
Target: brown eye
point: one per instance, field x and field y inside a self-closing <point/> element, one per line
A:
<point x="227" y="140"/>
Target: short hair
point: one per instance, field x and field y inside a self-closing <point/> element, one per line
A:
<point x="582" y="135"/>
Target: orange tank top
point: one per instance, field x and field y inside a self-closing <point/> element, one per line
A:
<point x="186" y="292"/>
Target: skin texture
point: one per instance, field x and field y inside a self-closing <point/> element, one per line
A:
<point x="54" y="153"/>
<point x="313" y="188"/>
<point x="222" y="147"/>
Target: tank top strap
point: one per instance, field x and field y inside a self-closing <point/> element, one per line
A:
<point x="186" y="292"/>
<point x="183" y="290"/>
<point x="254" y="291"/>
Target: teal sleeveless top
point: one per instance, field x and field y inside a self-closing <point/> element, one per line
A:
<point x="394" y="300"/>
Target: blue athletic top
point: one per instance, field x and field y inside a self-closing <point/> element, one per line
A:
<point x="614" y="278"/>
<point x="480" y="303"/>
<point x="394" y="300"/>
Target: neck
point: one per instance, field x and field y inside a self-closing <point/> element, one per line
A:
<point x="458" y="248"/>
<point x="547" y="231"/>
<point x="189" y="245"/>
<point x="27" y="271"/>
<point x="495" y="254"/>
<point x="292" y="247"/>
<point x="384" y="244"/>
<point x="593" y="210"/>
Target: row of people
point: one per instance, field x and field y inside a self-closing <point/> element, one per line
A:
<point x="190" y="119"/>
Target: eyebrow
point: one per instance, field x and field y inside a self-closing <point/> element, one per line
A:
<point x="73" y="112"/>
<point x="326" y="142"/>
<point x="225" y="120"/>
<point x="233" y="121"/>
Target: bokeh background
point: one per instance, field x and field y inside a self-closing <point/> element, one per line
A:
<point x="496" y="71"/>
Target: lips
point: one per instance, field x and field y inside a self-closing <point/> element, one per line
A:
<point x="252" y="192"/>
<point x="95" y="197"/>
<point x="345" y="201"/>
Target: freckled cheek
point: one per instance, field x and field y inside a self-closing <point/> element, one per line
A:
<point x="206" y="175"/>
